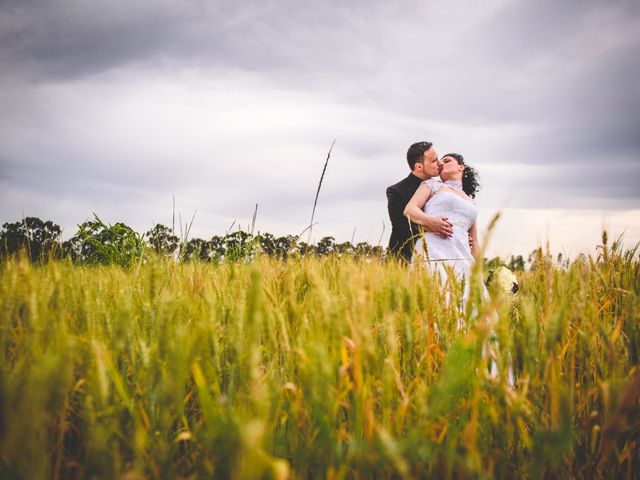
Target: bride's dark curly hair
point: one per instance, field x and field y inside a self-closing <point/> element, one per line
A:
<point x="470" y="183"/>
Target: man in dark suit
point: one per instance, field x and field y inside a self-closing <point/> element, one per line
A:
<point x="423" y="161"/>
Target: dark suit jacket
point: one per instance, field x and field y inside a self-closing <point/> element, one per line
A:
<point x="398" y="195"/>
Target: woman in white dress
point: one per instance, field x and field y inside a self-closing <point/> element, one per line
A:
<point x="451" y="198"/>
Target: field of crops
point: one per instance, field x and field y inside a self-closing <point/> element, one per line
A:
<point x="329" y="367"/>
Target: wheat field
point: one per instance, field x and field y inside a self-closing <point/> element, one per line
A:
<point x="328" y="368"/>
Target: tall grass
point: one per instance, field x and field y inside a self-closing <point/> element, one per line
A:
<point x="317" y="368"/>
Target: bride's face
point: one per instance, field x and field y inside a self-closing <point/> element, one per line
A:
<point x="451" y="169"/>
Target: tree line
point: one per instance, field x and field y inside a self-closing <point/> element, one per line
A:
<point x="96" y="242"/>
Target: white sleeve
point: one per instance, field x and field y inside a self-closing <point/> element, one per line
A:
<point x="433" y="184"/>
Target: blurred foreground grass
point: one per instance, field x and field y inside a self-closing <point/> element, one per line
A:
<point x="317" y="368"/>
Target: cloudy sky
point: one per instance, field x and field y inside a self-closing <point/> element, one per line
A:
<point x="114" y="107"/>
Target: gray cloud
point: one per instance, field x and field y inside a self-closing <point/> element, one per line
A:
<point x="234" y="103"/>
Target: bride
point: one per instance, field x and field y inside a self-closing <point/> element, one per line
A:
<point x="451" y="198"/>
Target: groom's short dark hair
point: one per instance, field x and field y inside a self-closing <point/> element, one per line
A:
<point x="416" y="151"/>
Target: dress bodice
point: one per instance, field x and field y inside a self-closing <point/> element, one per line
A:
<point x="445" y="254"/>
<point x="461" y="213"/>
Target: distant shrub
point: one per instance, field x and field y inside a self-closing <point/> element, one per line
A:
<point x="98" y="243"/>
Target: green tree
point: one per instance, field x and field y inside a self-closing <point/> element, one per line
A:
<point x="516" y="263"/>
<point x="216" y="244"/>
<point x="267" y="242"/>
<point x="303" y="248"/>
<point x="345" y="248"/>
<point x="197" y="248"/>
<point x="286" y="245"/>
<point x="326" y="246"/>
<point x="239" y="246"/>
<point x="162" y="240"/>
<point x="494" y="263"/>
<point x="39" y="239"/>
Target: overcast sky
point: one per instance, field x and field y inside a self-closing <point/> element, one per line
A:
<point x="113" y="107"/>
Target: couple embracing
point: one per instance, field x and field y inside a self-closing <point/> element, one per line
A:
<point x="441" y="208"/>
<point x="434" y="220"/>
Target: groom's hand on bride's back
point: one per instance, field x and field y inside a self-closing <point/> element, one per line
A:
<point x="440" y="226"/>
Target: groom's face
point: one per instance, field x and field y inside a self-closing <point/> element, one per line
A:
<point x="430" y="164"/>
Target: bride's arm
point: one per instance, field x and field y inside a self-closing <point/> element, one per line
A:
<point x="413" y="211"/>
<point x="473" y="235"/>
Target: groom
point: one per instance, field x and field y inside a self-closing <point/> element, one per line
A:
<point x="423" y="161"/>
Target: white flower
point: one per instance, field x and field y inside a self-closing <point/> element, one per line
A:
<point x="503" y="280"/>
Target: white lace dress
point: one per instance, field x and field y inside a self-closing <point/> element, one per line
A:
<point x="437" y="251"/>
